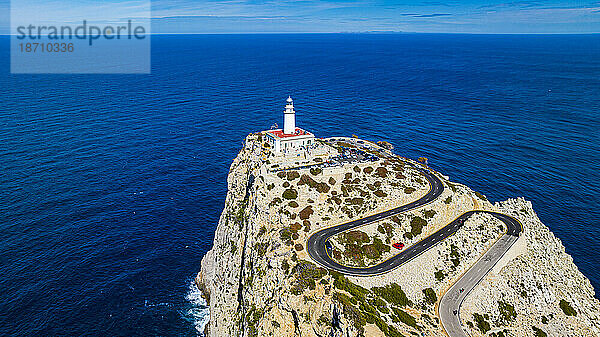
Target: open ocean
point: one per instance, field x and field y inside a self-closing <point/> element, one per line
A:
<point x="111" y="185"/>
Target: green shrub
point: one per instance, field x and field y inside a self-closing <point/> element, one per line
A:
<point x="381" y="172"/>
<point x="381" y="305"/>
<point x="290" y="194"/>
<point x="323" y="320"/>
<point x="409" y="190"/>
<point x="322" y="187"/>
<point x="430" y="296"/>
<point x="380" y="194"/>
<point x="355" y="236"/>
<point x="306" y="273"/>
<point x="373" y="251"/>
<point x="393" y="294"/>
<point x="286" y="236"/>
<point x="507" y="312"/>
<point x="351" y="312"/>
<point x="481" y="323"/>
<point x="405" y="318"/>
<point x="448" y="200"/>
<point x="285" y="265"/>
<point x="342" y="283"/>
<point x="416" y="224"/>
<point x="567" y="308"/>
<point x="316" y="171"/>
<point x="454" y="255"/>
<point x="439" y="275"/>
<point x="429" y="214"/>
<point x="480" y="196"/>
<point x="261" y="248"/>
<point x="392" y="332"/>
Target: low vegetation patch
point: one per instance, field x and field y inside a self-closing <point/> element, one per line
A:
<point x="358" y="246"/>
<point x="306" y="274"/>
<point x="429" y="214"/>
<point x="381" y="172"/>
<point x="455" y="256"/>
<point x="416" y="227"/>
<point x="405" y="318"/>
<point x="306" y="212"/>
<point x="380" y="194"/>
<point x="290" y="194"/>
<point x="393" y="294"/>
<point x="362" y="306"/>
<point x="430" y="296"/>
<point x="567" y="308"/>
<point x="482" y="324"/>
<point x="507" y="312"/>
<point x="316" y="171"/>
<point x="480" y="196"/>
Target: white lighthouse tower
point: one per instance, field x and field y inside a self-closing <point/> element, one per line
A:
<point x="289" y="119"/>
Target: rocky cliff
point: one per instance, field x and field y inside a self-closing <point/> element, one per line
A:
<point x="259" y="280"/>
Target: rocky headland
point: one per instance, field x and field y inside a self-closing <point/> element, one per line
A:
<point x="259" y="279"/>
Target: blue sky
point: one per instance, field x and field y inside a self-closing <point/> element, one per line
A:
<point x="265" y="16"/>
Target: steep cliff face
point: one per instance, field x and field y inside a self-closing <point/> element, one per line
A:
<point x="259" y="280"/>
<point x="539" y="292"/>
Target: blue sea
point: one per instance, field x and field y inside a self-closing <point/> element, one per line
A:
<point x="111" y="186"/>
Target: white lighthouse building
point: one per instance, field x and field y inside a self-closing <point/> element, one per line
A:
<point x="290" y="139"/>
<point x="289" y="117"/>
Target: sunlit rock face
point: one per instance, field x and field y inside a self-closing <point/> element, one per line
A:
<point x="260" y="281"/>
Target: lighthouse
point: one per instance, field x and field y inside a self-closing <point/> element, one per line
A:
<point x="289" y="117"/>
<point x="289" y="140"/>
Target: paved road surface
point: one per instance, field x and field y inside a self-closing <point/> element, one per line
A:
<point x="317" y="245"/>
<point x="319" y="248"/>
<point x="450" y="303"/>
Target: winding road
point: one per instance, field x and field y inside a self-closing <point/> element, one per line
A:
<point x="319" y="249"/>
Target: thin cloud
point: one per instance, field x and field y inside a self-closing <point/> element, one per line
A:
<point x="434" y="15"/>
<point x="515" y="4"/>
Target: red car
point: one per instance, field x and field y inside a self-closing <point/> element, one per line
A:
<point x="398" y="245"/>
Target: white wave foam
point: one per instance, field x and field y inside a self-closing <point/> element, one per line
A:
<point x="199" y="312"/>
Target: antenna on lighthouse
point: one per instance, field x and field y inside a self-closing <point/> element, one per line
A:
<point x="289" y="117"/>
